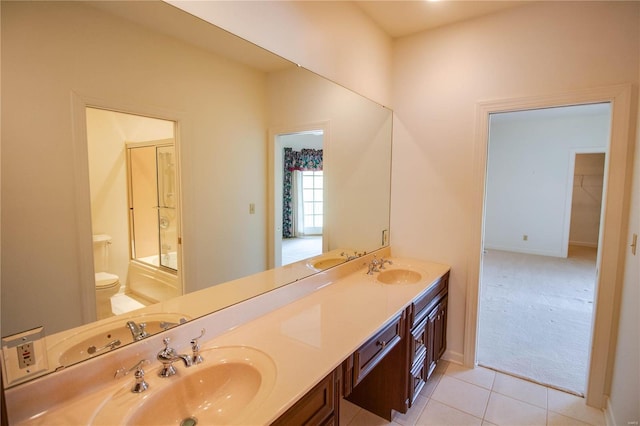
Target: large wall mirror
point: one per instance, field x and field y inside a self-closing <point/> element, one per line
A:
<point x="78" y="74"/>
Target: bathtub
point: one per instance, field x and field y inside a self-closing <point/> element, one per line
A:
<point x="170" y="260"/>
<point x="148" y="280"/>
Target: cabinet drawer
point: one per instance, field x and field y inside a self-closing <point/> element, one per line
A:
<point x="417" y="344"/>
<point x="370" y="354"/>
<point x="423" y="303"/>
<point x="417" y="379"/>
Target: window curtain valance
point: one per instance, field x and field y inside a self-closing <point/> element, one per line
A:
<point x="308" y="160"/>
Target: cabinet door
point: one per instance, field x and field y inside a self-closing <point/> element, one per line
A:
<point x="319" y="407"/>
<point x="440" y="330"/>
<point x="436" y="338"/>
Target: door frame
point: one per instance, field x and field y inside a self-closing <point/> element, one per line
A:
<point x="79" y="104"/>
<point x="566" y="240"/>
<point x="612" y="240"/>
<point x="274" y="191"/>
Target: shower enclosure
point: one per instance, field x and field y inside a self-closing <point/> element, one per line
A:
<point x="153" y="204"/>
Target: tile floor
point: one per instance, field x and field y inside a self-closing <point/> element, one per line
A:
<point x="456" y="395"/>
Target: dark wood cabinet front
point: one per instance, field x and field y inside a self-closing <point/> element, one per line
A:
<point x="319" y="407"/>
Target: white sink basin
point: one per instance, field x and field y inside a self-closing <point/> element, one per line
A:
<point x="91" y="342"/>
<point x="399" y="276"/>
<point x="223" y="390"/>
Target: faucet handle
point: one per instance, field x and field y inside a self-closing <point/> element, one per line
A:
<point x="140" y="384"/>
<point x="195" y="347"/>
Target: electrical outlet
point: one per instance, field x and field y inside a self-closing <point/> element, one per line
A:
<point x="525" y="237"/>
<point x="26" y="355"/>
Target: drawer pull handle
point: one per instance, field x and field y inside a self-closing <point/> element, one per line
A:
<point x="381" y="343"/>
<point x="419" y="341"/>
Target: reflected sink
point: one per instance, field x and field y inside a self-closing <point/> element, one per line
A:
<point x="223" y="390"/>
<point x="327" y="262"/>
<point x="96" y="340"/>
<point x="399" y="276"/>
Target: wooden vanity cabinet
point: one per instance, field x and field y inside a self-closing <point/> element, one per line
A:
<point x="388" y="371"/>
<point x="319" y="407"/>
<point x="398" y="375"/>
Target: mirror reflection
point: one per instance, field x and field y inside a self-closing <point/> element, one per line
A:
<point x="228" y="107"/>
<point x="135" y="210"/>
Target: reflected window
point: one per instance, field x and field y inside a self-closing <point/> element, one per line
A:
<point x="312" y="188"/>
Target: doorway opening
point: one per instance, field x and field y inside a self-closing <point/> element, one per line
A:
<point x="544" y="187"/>
<point x="133" y="181"/>
<point x="300" y="195"/>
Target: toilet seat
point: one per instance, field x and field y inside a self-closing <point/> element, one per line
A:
<point x="105" y="280"/>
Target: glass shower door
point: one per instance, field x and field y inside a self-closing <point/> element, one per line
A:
<point x="153" y="205"/>
<point x="168" y="235"/>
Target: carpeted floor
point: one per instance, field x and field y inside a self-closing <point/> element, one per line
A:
<point x="295" y="249"/>
<point x="535" y="316"/>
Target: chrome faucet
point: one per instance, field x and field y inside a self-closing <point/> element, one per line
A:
<point x="354" y="256"/>
<point x="140" y="384"/>
<point x="383" y="261"/>
<point x="196" y="358"/>
<point x="168" y="356"/>
<point x="377" y="264"/>
<point x="138" y="331"/>
<point x="373" y="266"/>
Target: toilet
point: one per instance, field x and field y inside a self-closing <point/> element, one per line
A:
<point x="107" y="284"/>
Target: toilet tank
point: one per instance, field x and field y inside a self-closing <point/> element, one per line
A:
<point x="101" y="243"/>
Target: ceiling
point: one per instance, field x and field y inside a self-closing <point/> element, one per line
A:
<point x="399" y="18"/>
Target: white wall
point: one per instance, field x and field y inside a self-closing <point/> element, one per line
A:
<point x="529" y="175"/>
<point x="72" y="48"/>
<point x="438" y="79"/>
<point x="333" y="39"/>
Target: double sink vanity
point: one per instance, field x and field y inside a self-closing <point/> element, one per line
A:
<point x="366" y="330"/>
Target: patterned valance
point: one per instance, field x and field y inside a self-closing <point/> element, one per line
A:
<point x="309" y="160"/>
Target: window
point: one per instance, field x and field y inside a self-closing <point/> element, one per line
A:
<point x="312" y="191"/>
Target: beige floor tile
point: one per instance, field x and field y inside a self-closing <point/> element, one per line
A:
<point x="438" y="414"/>
<point x="505" y="411"/>
<point x="574" y="407"/>
<point x="441" y="367"/>
<point x="555" y="419"/>
<point x="464" y="396"/>
<point x="432" y="383"/>
<point x="409" y="419"/>
<point x="348" y="411"/>
<point x="522" y="390"/>
<point x="365" y="418"/>
<point x="479" y="376"/>
<point x="486" y="423"/>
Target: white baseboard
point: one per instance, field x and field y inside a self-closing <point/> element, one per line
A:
<point x="455" y="357"/>
<point x="609" y="420"/>
<point x="583" y="244"/>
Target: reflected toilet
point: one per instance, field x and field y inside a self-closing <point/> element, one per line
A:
<point x="107" y="284"/>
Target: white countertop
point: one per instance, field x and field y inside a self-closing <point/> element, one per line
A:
<point x="306" y="339"/>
